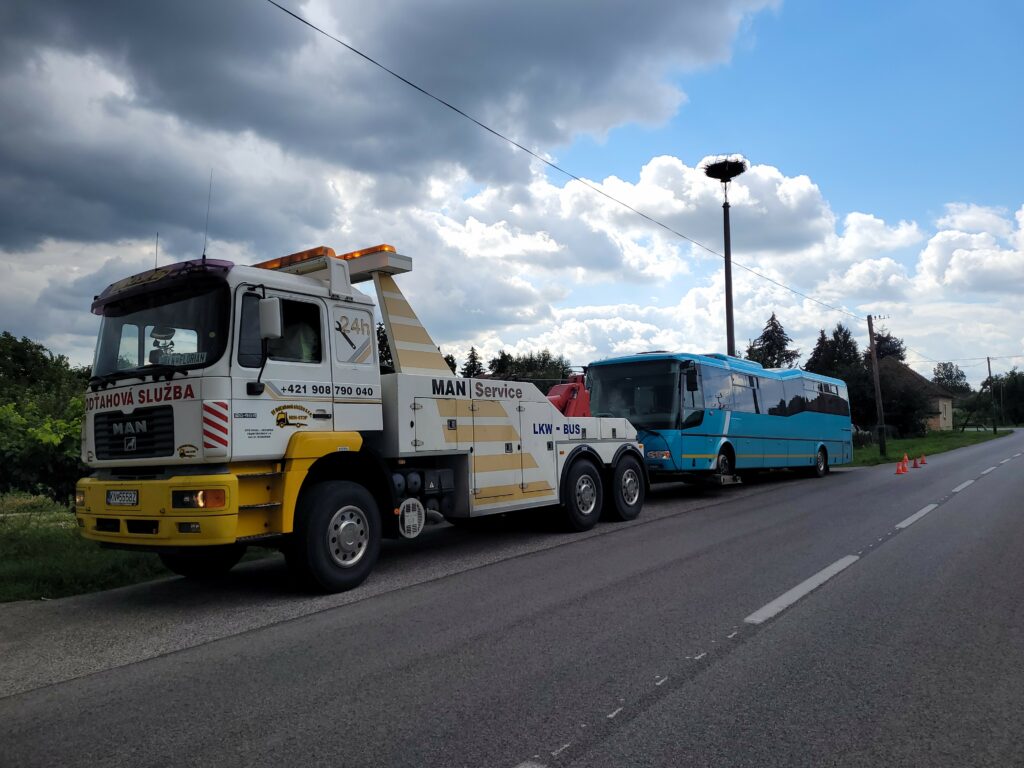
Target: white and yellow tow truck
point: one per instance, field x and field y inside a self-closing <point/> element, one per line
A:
<point x="245" y="405"/>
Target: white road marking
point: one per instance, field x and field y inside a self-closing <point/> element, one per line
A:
<point x="962" y="486"/>
<point x="531" y="764"/>
<point x="802" y="589"/>
<point x="700" y="656"/>
<point x="661" y="681"/>
<point x="990" y="469"/>
<point x="730" y="637"/>
<point x="610" y="715"/>
<point x="561" y="749"/>
<point x="1016" y="455"/>
<point x="1004" y="461"/>
<point x="916" y="516"/>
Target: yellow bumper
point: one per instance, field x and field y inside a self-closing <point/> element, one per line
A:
<point x="153" y="521"/>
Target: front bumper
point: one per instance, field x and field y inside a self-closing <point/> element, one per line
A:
<point x="153" y="521"/>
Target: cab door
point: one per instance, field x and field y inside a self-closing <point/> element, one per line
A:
<point x="295" y="391"/>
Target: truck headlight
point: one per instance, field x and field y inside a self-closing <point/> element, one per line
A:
<point x="79" y="498"/>
<point x="665" y="455"/>
<point x="207" y="498"/>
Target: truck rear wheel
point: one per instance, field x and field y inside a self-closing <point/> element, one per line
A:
<point x="337" y="536"/>
<point x="626" y="497"/>
<point x="582" y="496"/>
<point x="203" y="562"/>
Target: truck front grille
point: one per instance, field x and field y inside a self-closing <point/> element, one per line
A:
<point x="144" y="433"/>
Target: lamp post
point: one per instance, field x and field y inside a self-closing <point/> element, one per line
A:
<point x="725" y="170"/>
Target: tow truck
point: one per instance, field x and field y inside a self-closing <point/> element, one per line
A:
<point x="233" y="406"/>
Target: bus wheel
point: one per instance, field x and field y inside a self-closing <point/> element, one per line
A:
<point x="582" y="496"/>
<point x="820" y="464"/>
<point x="627" y="492"/>
<point x="723" y="466"/>
<point x="337" y="536"/>
<point x="203" y="562"/>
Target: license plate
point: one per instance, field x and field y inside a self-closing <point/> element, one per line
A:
<point x="122" y="498"/>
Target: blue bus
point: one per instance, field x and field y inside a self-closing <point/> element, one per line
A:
<point x="715" y="415"/>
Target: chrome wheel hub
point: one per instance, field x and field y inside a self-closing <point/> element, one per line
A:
<point x="347" y="536"/>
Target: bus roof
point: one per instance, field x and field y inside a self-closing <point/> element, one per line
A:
<point x="719" y="360"/>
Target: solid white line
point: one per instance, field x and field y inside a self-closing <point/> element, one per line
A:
<point x="962" y="486"/>
<point x="990" y="469"/>
<point x="916" y="516"/>
<point x="802" y="589"/>
<point x="1016" y="455"/>
<point x="1004" y="461"/>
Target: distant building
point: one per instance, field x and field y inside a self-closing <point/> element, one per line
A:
<point x="940" y="401"/>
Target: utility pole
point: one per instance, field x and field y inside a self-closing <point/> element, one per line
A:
<point x="879" y="413"/>
<point x="992" y="391"/>
<point x="725" y="170"/>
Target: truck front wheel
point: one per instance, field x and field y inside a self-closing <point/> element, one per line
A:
<point x="203" y="562"/>
<point x="337" y="536"/>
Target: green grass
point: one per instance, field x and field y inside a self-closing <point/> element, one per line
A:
<point x="932" y="443"/>
<point x="42" y="554"/>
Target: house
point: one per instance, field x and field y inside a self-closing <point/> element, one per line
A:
<point x="940" y="401"/>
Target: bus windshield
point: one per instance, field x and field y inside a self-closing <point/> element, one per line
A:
<point x="646" y="393"/>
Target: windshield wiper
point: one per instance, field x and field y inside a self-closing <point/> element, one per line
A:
<point x="162" y="369"/>
<point x="105" y="380"/>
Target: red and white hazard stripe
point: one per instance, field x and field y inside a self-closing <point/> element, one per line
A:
<point x="216" y="433"/>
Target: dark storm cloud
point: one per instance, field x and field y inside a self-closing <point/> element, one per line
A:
<point x="213" y="71"/>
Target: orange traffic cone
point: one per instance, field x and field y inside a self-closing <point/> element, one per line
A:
<point x="916" y="465"/>
<point x="899" y="468"/>
<point x="905" y="458"/>
<point x="923" y="462"/>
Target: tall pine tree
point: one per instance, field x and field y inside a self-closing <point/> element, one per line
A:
<point x="473" y="367"/>
<point x="771" y="348"/>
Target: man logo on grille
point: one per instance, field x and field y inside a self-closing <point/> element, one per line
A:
<point x="129" y="443"/>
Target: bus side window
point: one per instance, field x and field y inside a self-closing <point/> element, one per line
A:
<point x="743" y="394"/>
<point x="772" y="397"/>
<point x="717" y="387"/>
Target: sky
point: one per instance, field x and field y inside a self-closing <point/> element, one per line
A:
<point x="883" y="139"/>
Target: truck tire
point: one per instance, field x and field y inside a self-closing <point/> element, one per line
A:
<point x="582" y="496"/>
<point x="203" y="563"/>
<point x="337" y="536"/>
<point x="626" y="496"/>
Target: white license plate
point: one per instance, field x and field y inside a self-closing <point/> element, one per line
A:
<point x="122" y="498"/>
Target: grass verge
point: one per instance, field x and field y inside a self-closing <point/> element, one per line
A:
<point x="42" y="554"/>
<point x="932" y="443"/>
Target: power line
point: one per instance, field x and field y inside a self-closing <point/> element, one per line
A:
<point x="548" y="163"/>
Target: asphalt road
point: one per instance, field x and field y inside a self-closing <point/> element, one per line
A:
<point x="689" y="637"/>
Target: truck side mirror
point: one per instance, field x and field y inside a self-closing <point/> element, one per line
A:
<point x="691" y="380"/>
<point x="271" y="326"/>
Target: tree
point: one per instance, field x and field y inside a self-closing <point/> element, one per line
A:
<point x="771" y="348"/>
<point x="951" y="378"/>
<point x="542" y="368"/>
<point x="886" y="345"/>
<point x="821" y="359"/>
<point x="384" y="347"/>
<point x="41" y="412"/>
<point x="473" y="367"/>
<point x="450" y="359"/>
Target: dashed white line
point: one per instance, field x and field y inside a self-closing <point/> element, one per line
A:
<point x="700" y="656"/>
<point x="531" y="764"/>
<point x="611" y="715"/>
<point x="990" y="469"/>
<point x="1016" y="455"/>
<point x="802" y="589"/>
<point x="1004" y="461"/>
<point x="916" y="516"/>
<point x="659" y="682"/>
<point x="962" y="486"/>
<point x="561" y="749"/>
<point x="730" y="637"/>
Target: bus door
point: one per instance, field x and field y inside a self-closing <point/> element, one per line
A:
<point x="748" y="427"/>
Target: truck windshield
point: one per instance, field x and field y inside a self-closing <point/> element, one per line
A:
<point x="646" y="393"/>
<point x="179" y="328"/>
